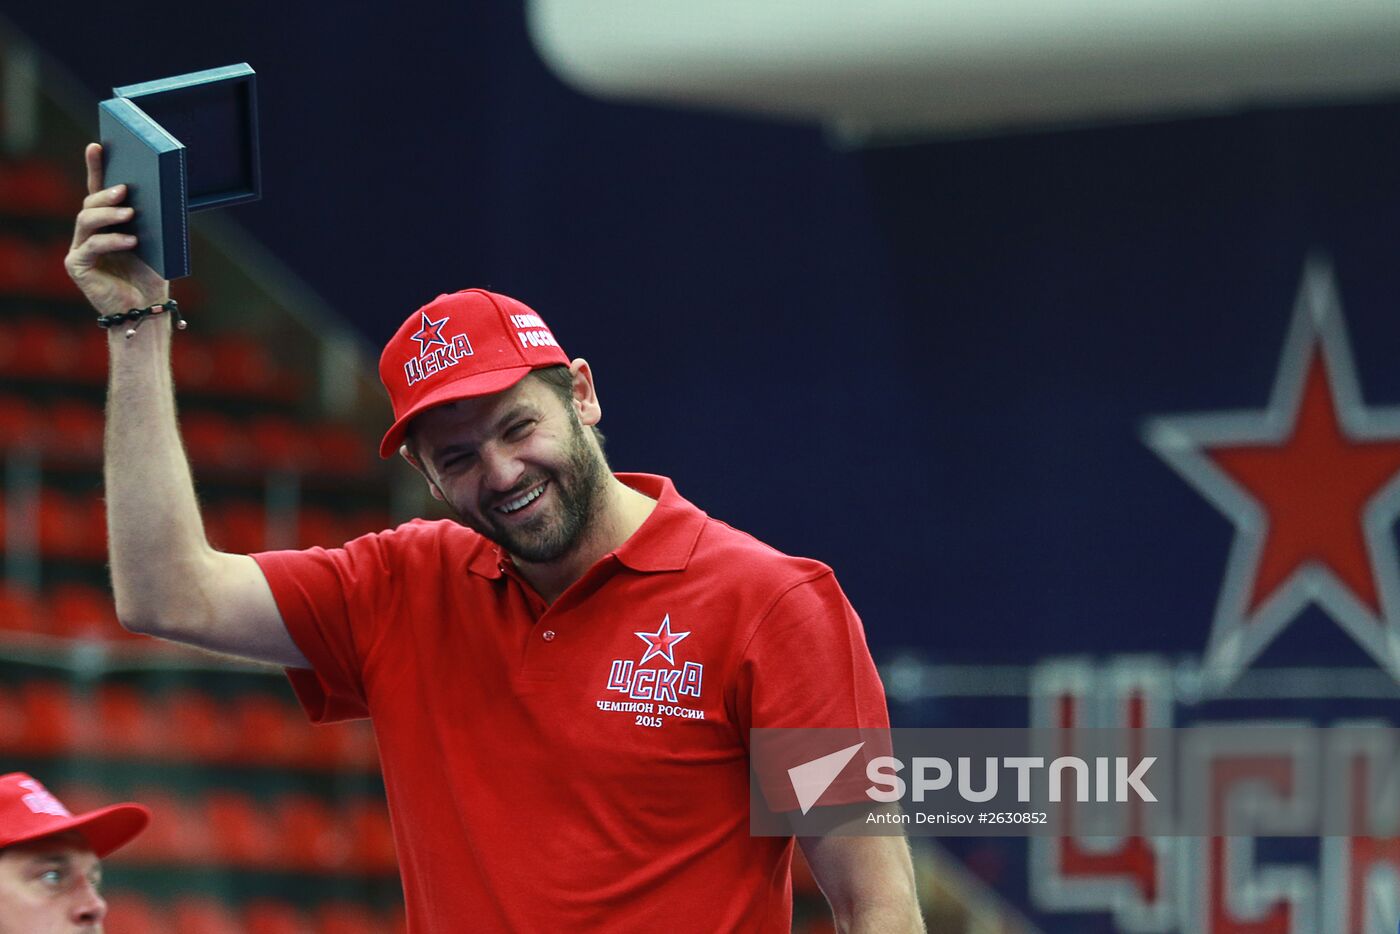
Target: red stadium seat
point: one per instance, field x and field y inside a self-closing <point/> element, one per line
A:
<point x="240" y="527"/>
<point x="244" y="367"/>
<point x="11" y="721"/>
<point x="199" y="728"/>
<point x="342" y="451"/>
<point x="279" y="443"/>
<point x="176" y="833"/>
<point x="312" y="840"/>
<point x="52" y="716"/>
<point x="72" y="527"/>
<point x="268" y="734"/>
<point x="192" y="362"/>
<point x="319" y="527"/>
<point x="372" y="849"/>
<point x="130" y="912"/>
<point x="241" y="835"/>
<point x="33" y="188"/>
<point x="268" y="916"/>
<point x="20" y="422"/>
<point x="72" y="431"/>
<point x="126" y="725"/>
<point x="20" y="610"/>
<point x="215" y="441"/>
<point x="346" y="918"/>
<point x="82" y="612"/>
<point x="203" y="915"/>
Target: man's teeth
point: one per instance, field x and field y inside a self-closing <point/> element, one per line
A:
<point x="518" y="504"/>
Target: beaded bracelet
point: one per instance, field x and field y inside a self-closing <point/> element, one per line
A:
<point x="138" y="315"/>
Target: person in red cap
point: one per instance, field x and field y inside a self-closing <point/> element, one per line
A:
<point x="50" y="860"/>
<point x="562" y="682"/>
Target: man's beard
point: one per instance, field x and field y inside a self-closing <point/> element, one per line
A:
<point x="550" y="536"/>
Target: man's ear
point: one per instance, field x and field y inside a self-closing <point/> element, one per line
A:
<point x="585" y="394"/>
<point x="417" y="465"/>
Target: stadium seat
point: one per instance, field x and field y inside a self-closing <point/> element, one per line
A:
<point x="191" y="362"/>
<point x="35" y="188"/>
<point x="240" y="526"/>
<point x="11" y="721"/>
<point x="267" y="733"/>
<point x="241" y="835"/>
<point x="278" y="443"/>
<point x="372" y="840"/>
<point x="72" y="431"/>
<point x="204" y="915"/>
<point x="130" y="912"/>
<point x="176" y="833"/>
<point x="342" y="451"/>
<point x="199" y="727"/>
<point x="71" y="526"/>
<point x="346" y="918"/>
<point x="269" y="916"/>
<point x="312" y="840"/>
<point x="51" y="718"/>
<point x="243" y="365"/>
<point x="80" y="611"/>
<point x="20" y="422"/>
<point x="317" y="526"/>
<point x="20" y="609"/>
<point x="215" y="441"/>
<point x="126" y="725"/>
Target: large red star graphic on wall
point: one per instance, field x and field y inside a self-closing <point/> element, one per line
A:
<point x="1312" y="484"/>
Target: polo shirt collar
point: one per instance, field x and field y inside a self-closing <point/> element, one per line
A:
<point x="667" y="538"/>
<point x="665" y="541"/>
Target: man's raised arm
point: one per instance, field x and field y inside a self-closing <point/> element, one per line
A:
<point x="167" y="579"/>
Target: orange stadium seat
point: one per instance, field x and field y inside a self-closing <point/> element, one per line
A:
<point x="269" y="916"/>
<point x="204" y="915"/>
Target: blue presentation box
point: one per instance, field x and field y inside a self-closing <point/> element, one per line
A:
<point x="181" y="144"/>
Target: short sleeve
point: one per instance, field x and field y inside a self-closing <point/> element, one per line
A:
<point x="807" y="667"/>
<point x="330" y="600"/>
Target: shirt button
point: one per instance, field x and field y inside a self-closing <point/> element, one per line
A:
<point x="548" y="635"/>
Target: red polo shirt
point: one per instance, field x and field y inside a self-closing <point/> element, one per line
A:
<point x="578" y="766"/>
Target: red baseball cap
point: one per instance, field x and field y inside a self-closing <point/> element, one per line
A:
<point x="28" y="812"/>
<point x="469" y="343"/>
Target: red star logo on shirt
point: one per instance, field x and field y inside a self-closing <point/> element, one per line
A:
<point x="1312" y="484"/>
<point x="430" y="333"/>
<point x="660" y="642"/>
